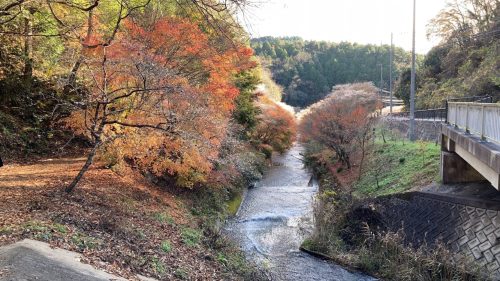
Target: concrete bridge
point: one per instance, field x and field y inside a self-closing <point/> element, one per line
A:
<point x="470" y="143"/>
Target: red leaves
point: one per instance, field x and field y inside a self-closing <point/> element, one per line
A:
<point x="168" y="91"/>
<point x="341" y="121"/>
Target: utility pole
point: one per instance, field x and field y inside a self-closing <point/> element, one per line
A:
<point x="381" y="86"/>
<point x="412" y="86"/>
<point x="381" y="80"/>
<point x="391" y="58"/>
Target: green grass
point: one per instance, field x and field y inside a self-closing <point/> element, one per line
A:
<point x="83" y="241"/>
<point x="35" y="226"/>
<point x="163" y="217"/>
<point x="191" y="237"/>
<point x="158" y="266"/>
<point x="181" y="274"/>
<point x="398" y="167"/>
<point x="166" y="246"/>
<point x="60" y="228"/>
<point x="6" y="230"/>
<point x="234" y="204"/>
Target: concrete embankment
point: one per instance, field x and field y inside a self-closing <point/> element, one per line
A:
<point x="468" y="226"/>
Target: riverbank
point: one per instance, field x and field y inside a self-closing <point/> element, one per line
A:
<point x="351" y="228"/>
<point x="276" y="216"/>
<point x="119" y="223"/>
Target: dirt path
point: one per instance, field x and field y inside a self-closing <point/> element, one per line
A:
<point x="121" y="224"/>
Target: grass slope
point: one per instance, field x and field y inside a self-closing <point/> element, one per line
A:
<point x="398" y="166"/>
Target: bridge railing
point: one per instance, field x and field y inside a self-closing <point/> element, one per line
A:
<point x="481" y="119"/>
<point x="440" y="114"/>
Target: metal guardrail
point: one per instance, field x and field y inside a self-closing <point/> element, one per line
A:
<point x="481" y="119"/>
<point x="484" y="99"/>
<point x="437" y="114"/>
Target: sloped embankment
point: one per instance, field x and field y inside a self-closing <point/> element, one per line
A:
<point x="123" y="225"/>
<point x="468" y="227"/>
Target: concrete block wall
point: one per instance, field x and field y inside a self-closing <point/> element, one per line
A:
<point x="468" y="228"/>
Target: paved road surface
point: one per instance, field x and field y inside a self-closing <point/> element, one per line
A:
<point x="34" y="260"/>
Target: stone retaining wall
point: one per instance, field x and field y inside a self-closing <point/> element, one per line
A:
<point x="467" y="227"/>
<point x="425" y="130"/>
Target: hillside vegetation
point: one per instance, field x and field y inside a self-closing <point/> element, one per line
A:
<point x="158" y="102"/>
<point x="167" y="87"/>
<point x="467" y="61"/>
<point x="395" y="166"/>
<point x="307" y="70"/>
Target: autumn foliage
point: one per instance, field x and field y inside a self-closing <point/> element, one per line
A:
<point x="343" y="121"/>
<point x="162" y="98"/>
<point x="277" y="127"/>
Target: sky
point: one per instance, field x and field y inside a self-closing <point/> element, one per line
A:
<point x="362" y="21"/>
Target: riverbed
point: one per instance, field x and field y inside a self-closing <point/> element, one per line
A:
<point x="276" y="216"/>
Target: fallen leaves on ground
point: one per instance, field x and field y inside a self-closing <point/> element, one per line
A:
<point x="123" y="225"/>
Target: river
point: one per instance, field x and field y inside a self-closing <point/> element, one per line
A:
<point x="276" y="216"/>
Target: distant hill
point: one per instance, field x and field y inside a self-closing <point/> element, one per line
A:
<point x="307" y="70"/>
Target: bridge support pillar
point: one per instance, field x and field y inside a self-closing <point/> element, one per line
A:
<point x="454" y="169"/>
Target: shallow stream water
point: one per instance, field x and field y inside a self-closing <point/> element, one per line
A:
<point x="276" y="216"/>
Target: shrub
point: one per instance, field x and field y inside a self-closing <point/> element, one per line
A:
<point x="276" y="128"/>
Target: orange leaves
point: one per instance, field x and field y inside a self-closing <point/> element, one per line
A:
<point x="341" y="121"/>
<point x="182" y="48"/>
<point x="164" y="156"/>
<point x="277" y="126"/>
<point x="166" y="94"/>
<point x="170" y="39"/>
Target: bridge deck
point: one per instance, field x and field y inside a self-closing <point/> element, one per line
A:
<point x="482" y="155"/>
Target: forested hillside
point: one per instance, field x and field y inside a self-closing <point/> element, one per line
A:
<point x="307" y="70"/>
<point x="467" y="61"/>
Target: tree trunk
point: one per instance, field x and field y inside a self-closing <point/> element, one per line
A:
<point x="84" y="169"/>
<point x="345" y="158"/>
<point x="90" y="160"/>
<point x="28" y="48"/>
<point x="348" y="162"/>
<point x="362" y="158"/>
<point x="74" y="70"/>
